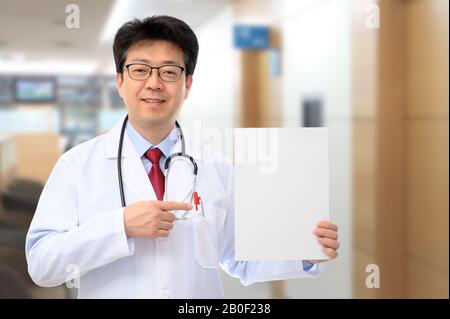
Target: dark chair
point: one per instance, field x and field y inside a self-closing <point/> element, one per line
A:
<point x="22" y="195"/>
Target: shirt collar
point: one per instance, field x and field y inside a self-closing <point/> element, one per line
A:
<point x="142" y="145"/>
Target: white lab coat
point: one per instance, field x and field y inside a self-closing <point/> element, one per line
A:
<point x="78" y="225"/>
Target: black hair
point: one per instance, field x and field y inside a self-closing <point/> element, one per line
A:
<point x="162" y="27"/>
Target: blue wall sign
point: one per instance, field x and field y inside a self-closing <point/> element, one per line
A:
<point x="251" y="37"/>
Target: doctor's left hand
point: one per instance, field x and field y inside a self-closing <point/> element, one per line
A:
<point x="327" y="236"/>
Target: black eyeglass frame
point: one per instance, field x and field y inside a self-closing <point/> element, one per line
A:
<point x="127" y="66"/>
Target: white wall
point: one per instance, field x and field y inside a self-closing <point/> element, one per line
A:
<point x="211" y="96"/>
<point x="316" y="60"/>
<point x="208" y="113"/>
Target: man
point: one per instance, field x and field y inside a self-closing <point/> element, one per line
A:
<point x="143" y="250"/>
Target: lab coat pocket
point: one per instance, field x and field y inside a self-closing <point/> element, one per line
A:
<point x="206" y="236"/>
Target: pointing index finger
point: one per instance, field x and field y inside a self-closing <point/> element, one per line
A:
<point x="171" y="205"/>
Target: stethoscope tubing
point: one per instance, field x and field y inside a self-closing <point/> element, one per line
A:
<point x="166" y="165"/>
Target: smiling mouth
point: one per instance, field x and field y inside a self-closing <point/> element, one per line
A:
<point x="153" y="101"/>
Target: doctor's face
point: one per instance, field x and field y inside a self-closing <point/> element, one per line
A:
<point x="153" y="102"/>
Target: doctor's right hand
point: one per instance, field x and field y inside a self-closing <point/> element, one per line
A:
<point x="151" y="218"/>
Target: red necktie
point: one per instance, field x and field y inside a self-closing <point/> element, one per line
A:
<point x="156" y="175"/>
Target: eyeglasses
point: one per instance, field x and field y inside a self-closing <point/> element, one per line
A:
<point x="141" y="72"/>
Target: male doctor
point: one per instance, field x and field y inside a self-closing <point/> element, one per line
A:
<point x="142" y="250"/>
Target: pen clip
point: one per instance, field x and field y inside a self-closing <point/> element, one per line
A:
<point x="201" y="203"/>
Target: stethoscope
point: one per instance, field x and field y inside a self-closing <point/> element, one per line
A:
<point x="169" y="160"/>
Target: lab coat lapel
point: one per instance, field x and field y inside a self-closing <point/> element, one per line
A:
<point x="134" y="176"/>
<point x="181" y="174"/>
